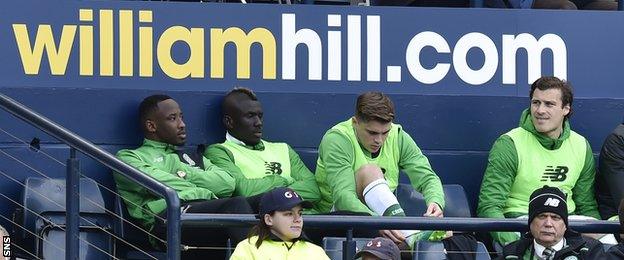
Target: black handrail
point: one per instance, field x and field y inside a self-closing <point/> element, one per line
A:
<point x="422" y="223"/>
<point x="107" y="159"/>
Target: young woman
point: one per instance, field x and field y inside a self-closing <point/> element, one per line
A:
<point x="278" y="235"/>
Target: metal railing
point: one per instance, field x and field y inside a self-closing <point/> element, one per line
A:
<point x="76" y="142"/>
<point x="175" y="220"/>
<point x="406" y="223"/>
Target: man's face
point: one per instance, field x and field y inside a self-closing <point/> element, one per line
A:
<point x="547" y="112"/>
<point x="166" y="125"/>
<point x="245" y="122"/>
<point x="371" y="134"/>
<point x="548" y="229"/>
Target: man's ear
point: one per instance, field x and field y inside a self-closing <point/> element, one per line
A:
<point x="228" y="122"/>
<point x="150" y="126"/>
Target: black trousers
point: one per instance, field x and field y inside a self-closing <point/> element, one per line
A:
<point x="215" y="238"/>
<point x="317" y="234"/>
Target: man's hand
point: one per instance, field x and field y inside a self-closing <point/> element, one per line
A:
<point x="393" y="235"/>
<point x="433" y="210"/>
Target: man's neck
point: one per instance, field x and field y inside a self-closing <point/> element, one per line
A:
<point x="235" y="140"/>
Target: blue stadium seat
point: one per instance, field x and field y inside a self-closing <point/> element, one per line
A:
<point x="435" y="251"/>
<point x="333" y="246"/>
<point x="414" y="204"/>
<point x="43" y="213"/>
<point x="133" y="235"/>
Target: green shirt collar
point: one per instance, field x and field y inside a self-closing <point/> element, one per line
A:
<point x="159" y="145"/>
<point x="259" y="146"/>
<point x="527" y="124"/>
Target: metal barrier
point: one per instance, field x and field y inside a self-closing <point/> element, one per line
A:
<point x="78" y="143"/>
<point x="369" y="222"/>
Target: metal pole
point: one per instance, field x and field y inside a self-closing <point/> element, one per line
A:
<point x="72" y="212"/>
<point x="173" y="227"/>
<point x="348" y="246"/>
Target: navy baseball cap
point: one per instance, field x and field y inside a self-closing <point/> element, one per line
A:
<point x="280" y="199"/>
<point x="381" y="247"/>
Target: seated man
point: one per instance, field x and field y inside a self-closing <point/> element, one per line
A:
<point x="257" y="165"/>
<point x="359" y="162"/>
<point x="542" y="150"/>
<point x="548" y="236"/>
<point x="200" y="190"/>
<point x="609" y="178"/>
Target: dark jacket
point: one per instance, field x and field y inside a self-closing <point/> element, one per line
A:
<point x="616" y="252"/>
<point x="610" y="174"/>
<point x="576" y="245"/>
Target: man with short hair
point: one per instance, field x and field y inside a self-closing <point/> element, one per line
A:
<point x="609" y="181"/>
<point x="257" y="165"/>
<point x="359" y="162"/>
<point x="542" y="150"/>
<point x="549" y="237"/>
<point x="201" y="189"/>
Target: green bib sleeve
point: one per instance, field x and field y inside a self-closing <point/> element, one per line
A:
<point x="336" y="151"/>
<point x="583" y="191"/>
<point x="171" y="180"/>
<point x="305" y="182"/>
<point x="417" y="167"/>
<point x="212" y="177"/>
<point x="497" y="180"/>
<point x="223" y="158"/>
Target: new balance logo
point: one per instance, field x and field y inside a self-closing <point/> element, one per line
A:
<point x="555" y="174"/>
<point x="552" y="202"/>
<point x="273" y="168"/>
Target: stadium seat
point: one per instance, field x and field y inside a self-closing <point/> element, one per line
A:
<point x="133" y="235"/>
<point x="333" y="246"/>
<point x="414" y="204"/>
<point x="43" y="214"/>
<point x="435" y="251"/>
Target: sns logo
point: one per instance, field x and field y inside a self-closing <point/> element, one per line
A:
<point x="6" y="246"/>
<point x="552" y="202"/>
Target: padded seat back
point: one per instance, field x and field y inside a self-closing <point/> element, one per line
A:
<point x="426" y="250"/>
<point x="414" y="204"/>
<point x="333" y="246"/>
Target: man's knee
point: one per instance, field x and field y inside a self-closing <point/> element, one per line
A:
<point x="368" y="173"/>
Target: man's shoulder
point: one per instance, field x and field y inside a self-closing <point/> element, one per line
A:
<point x="574" y="136"/>
<point x="128" y="152"/>
<point x="518" y="247"/>
<point x="575" y="239"/>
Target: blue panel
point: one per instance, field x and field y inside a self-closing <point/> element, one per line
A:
<point x="587" y="53"/>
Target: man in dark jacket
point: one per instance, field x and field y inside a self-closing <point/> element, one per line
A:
<point x="610" y="175"/>
<point x="548" y="237"/>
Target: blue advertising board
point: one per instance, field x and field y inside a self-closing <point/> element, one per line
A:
<point x="203" y="47"/>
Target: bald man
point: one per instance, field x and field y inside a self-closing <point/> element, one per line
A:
<point x="257" y="165"/>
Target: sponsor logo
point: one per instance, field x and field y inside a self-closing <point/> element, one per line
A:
<point x="273" y="168"/>
<point x="555" y="174"/>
